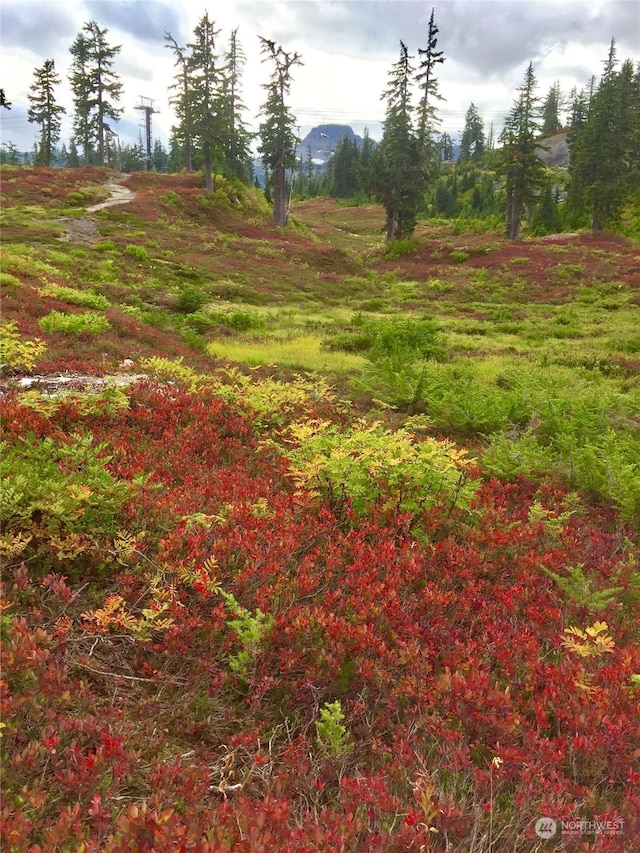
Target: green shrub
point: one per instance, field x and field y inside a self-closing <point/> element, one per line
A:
<point x="332" y="735"/>
<point x="61" y="495"/>
<point x="396" y="359"/>
<point x="251" y="629"/>
<point x="459" y="256"/>
<point x="74" y="324"/>
<point x="241" y="321"/>
<point x="136" y="251"/>
<point x="85" y="298"/>
<point x="190" y="299"/>
<point x="399" y="248"/>
<point x="17" y="353"/>
<point x="370" y="466"/>
<point x="8" y="280"/>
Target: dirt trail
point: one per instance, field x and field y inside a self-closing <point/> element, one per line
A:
<point x="84" y="229"/>
<point x="119" y="195"/>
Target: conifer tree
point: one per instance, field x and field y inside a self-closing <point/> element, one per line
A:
<point x="81" y="87"/>
<point x="96" y="88"/>
<point x="522" y="169"/>
<point x="181" y="140"/>
<point x="429" y="58"/>
<point x="237" y="137"/>
<point x="446" y="147"/>
<point x="277" y="131"/>
<point x="400" y="171"/>
<point x="551" y="111"/>
<point x="605" y="168"/>
<point x="344" y="169"/>
<point x="473" y="141"/>
<point x="44" y="110"/>
<point x="205" y="96"/>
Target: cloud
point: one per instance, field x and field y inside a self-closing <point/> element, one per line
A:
<point x="347" y="47"/>
<point x="141" y="20"/>
<point x="36" y="26"/>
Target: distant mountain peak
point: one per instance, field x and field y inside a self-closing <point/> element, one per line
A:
<point x="321" y="142"/>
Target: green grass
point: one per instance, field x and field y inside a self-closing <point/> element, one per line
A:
<point x="302" y="352"/>
<point x="521" y="336"/>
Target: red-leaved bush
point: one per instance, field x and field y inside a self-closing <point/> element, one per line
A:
<point x="163" y="676"/>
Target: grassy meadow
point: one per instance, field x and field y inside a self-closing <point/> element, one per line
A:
<point x="309" y="541"/>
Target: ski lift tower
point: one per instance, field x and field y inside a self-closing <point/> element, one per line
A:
<point x="146" y="106"/>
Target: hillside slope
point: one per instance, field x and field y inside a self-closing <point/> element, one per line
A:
<point x="390" y="605"/>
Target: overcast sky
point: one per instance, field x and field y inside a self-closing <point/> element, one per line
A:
<point x="347" y="47"/>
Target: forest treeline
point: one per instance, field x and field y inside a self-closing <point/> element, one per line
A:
<point x="412" y="171"/>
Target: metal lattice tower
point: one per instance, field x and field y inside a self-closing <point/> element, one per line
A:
<point x="146" y="106"/>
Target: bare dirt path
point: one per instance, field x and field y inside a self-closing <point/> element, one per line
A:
<point x="119" y="194"/>
<point x="84" y="229"/>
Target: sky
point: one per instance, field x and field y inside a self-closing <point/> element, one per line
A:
<point x="347" y="48"/>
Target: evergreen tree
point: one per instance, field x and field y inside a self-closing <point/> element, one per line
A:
<point x="344" y="169"/>
<point x="96" y="88"/>
<point x="551" y="111"/>
<point x="4" y="101"/>
<point x="491" y="140"/>
<point x="522" y="169"/>
<point x="277" y="131"/>
<point x="366" y="159"/>
<point x="446" y="147"/>
<point x="181" y="140"/>
<point x="10" y="155"/>
<point x="604" y="168"/>
<point x="207" y="112"/>
<point x="237" y="138"/>
<point x="45" y="111"/>
<point x="400" y="174"/>
<point x="472" y="142"/>
<point x="546" y="219"/>
<point x="81" y="86"/>
<point x="73" y="160"/>
<point x="429" y="58"/>
<point x="160" y="157"/>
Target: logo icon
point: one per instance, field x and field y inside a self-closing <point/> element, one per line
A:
<point x="546" y="827"/>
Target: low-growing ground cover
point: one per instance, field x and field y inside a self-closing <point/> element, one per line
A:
<point x="244" y="612"/>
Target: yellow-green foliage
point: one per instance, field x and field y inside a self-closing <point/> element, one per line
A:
<point x="20" y="260"/>
<point x="17" y="353"/>
<point x="107" y="400"/>
<point x="85" y="298"/>
<point x="332" y="734"/>
<point x="74" y="324"/>
<point x="171" y="370"/>
<point x="369" y="466"/>
<point x="8" y="280"/>
<point x="58" y="498"/>
<point x="269" y="400"/>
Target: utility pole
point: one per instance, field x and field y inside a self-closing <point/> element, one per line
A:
<point x="146" y="106"/>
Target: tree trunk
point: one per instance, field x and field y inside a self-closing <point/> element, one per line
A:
<point x="514" y="215"/>
<point x="208" y="176"/>
<point x="279" y="196"/>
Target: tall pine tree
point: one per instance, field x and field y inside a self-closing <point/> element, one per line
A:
<point x="473" y="140"/>
<point x="44" y="110"/>
<point x="96" y="88"/>
<point x="551" y="110"/>
<point x="605" y="167"/>
<point x="277" y="132"/>
<point x="522" y="169"/>
<point x="204" y="96"/>
<point x="181" y="139"/>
